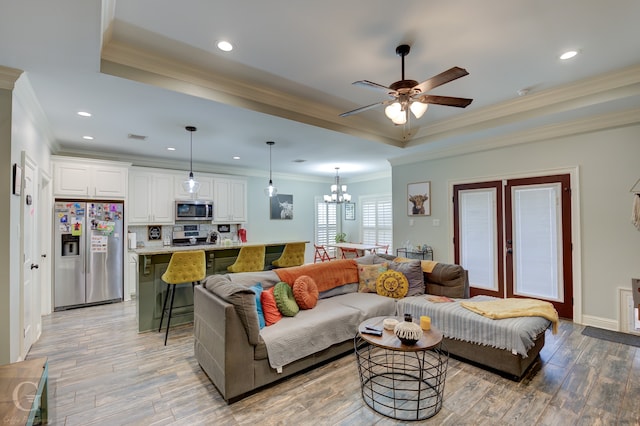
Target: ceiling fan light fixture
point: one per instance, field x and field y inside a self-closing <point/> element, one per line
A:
<point x="191" y="185"/>
<point x="418" y="108"/>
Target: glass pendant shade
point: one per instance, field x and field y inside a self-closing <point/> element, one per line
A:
<point x="270" y="190"/>
<point x="418" y="109"/>
<point x="191" y="185"/>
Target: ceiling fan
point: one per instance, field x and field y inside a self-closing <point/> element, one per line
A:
<point x="409" y="95"/>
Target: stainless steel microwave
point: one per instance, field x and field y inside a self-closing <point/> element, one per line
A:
<point x="194" y="210"/>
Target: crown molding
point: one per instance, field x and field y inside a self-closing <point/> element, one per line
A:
<point x="135" y="64"/>
<point x="8" y="77"/>
<point x="603" y="88"/>
<point x="25" y="96"/>
<point x="580" y="126"/>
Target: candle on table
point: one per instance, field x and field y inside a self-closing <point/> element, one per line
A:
<point x="425" y="323"/>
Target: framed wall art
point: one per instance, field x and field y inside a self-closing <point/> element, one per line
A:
<point x="281" y="207"/>
<point x="419" y="199"/>
<point x="349" y="211"/>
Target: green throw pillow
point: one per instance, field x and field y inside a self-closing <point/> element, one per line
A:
<point x="285" y="301"/>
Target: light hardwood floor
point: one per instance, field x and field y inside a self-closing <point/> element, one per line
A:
<point x="103" y="372"/>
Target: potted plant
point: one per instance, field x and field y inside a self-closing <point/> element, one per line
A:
<point x="341" y="237"/>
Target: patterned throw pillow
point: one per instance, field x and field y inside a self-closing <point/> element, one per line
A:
<point x="284" y="299"/>
<point x="305" y="291"/>
<point x="367" y="276"/>
<point x="271" y="312"/>
<point x="392" y="284"/>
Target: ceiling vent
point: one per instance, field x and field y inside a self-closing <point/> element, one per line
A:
<point x="137" y="137"/>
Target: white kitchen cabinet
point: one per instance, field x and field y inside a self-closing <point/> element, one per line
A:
<point x="229" y="200"/>
<point x="204" y="193"/>
<point x="151" y="199"/>
<point x="87" y="178"/>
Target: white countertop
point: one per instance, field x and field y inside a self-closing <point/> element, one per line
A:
<point x="208" y="247"/>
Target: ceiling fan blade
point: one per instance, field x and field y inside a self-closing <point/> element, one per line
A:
<point x="372" y="85"/>
<point x="442" y="78"/>
<point x="361" y="109"/>
<point x="444" y="100"/>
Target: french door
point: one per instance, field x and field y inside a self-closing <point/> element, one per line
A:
<point x="514" y="238"/>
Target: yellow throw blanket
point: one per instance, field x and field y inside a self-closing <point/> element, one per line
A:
<point x="515" y="307"/>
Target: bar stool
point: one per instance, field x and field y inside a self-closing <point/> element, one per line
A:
<point x="250" y="259"/>
<point x="184" y="267"/>
<point x="292" y="255"/>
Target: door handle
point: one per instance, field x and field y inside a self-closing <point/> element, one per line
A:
<point x="34" y="266"/>
<point x="509" y="250"/>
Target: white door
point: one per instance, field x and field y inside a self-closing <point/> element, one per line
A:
<point x="30" y="308"/>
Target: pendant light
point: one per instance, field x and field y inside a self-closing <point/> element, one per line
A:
<point x="191" y="185"/>
<point x="338" y="192"/>
<point x="270" y="190"/>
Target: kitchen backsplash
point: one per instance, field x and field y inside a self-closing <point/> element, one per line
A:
<point x="155" y="235"/>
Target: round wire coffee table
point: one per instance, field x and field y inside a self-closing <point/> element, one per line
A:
<point x="403" y="382"/>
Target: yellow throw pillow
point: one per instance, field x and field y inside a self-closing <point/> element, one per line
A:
<point x="392" y="284"/>
<point x="367" y="276"/>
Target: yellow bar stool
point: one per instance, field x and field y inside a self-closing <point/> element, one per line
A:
<point x="250" y="259"/>
<point x="184" y="267"/>
<point x="292" y="255"/>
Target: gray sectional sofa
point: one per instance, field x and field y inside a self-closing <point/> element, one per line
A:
<point x="232" y="350"/>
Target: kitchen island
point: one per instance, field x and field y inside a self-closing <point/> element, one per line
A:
<point x="153" y="262"/>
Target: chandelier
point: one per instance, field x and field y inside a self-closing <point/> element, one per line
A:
<point x="191" y="185"/>
<point x="338" y="192"/>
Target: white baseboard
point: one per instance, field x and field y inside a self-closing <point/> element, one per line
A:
<point x="606" y="323"/>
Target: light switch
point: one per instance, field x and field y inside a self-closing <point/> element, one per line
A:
<point x="410" y="222"/>
<point x="436" y="222"/>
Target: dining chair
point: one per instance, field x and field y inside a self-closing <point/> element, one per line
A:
<point x="381" y="248"/>
<point x="349" y="253"/>
<point x="321" y="254"/>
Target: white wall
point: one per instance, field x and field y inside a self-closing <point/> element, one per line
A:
<point x="28" y="134"/>
<point x="607" y="163"/>
<point x="261" y="228"/>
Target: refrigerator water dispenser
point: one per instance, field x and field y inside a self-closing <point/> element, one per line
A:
<point x="70" y="245"/>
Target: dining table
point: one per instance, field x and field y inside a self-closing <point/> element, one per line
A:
<point x="359" y="247"/>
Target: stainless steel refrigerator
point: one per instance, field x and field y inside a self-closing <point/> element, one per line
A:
<point x="89" y="244"/>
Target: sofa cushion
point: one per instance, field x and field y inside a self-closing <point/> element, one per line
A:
<point x="367" y="276"/>
<point x="447" y="280"/>
<point x="337" y="291"/>
<point x="285" y="301"/>
<point x="392" y="284"/>
<point x="327" y="275"/>
<point x="257" y="289"/>
<point x="305" y="291"/>
<point x="412" y="269"/>
<point x="242" y="298"/>
<point x="247" y="279"/>
<point x="269" y="307"/>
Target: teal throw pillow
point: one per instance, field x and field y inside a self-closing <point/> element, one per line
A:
<point x="285" y="301"/>
<point x="257" y="289"/>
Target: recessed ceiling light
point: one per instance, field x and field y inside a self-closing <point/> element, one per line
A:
<point x="235" y="157"/>
<point x="225" y="46"/>
<point x="89" y="138"/>
<point x="170" y="148"/>
<point x="84" y="114"/>
<point x="568" y="54"/>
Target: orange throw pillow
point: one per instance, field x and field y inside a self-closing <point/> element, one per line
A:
<point x="271" y="312"/>
<point x="305" y="291"/>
